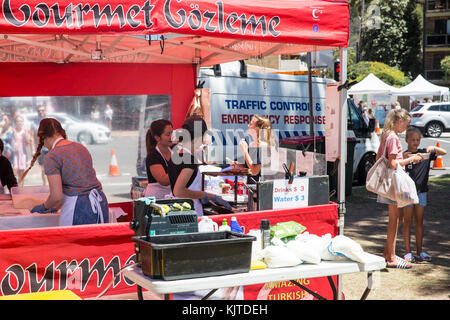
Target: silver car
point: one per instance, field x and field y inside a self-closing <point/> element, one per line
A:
<point x="85" y="132"/>
<point x="431" y="118"/>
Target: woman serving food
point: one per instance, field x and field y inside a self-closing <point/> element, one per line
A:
<point x="257" y="151"/>
<point x="158" y="143"/>
<point x="74" y="187"/>
<point x="184" y="174"/>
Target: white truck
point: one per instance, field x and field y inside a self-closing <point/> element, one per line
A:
<point x="285" y="100"/>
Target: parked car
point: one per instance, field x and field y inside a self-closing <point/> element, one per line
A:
<point x="431" y="118"/>
<point x="85" y="132"/>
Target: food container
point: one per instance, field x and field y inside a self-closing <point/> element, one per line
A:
<point x="29" y="196"/>
<point x="195" y="255"/>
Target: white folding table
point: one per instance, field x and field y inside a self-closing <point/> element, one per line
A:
<point x="303" y="271"/>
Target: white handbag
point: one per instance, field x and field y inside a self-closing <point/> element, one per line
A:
<point x="379" y="178"/>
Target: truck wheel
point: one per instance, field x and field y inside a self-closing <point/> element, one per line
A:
<point x="434" y="129"/>
<point x="85" y="138"/>
<point x="364" y="166"/>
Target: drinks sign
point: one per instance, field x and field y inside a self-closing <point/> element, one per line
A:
<point x="287" y="195"/>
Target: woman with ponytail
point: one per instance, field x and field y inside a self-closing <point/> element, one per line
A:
<point x="260" y="129"/>
<point x="158" y="142"/>
<point x="74" y="187"/>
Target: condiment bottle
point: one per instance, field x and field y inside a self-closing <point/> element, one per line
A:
<point x="224" y="226"/>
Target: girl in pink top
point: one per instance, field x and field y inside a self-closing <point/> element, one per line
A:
<point x="396" y="122"/>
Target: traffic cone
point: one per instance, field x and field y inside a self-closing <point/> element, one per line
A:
<point x="437" y="164"/>
<point x="377" y="127"/>
<point x="113" y="167"/>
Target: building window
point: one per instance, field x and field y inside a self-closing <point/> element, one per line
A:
<point x="437" y="58"/>
<point x="438" y="4"/>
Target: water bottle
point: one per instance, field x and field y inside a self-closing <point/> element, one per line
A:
<point x="224" y="226"/>
<point x="234" y="226"/>
<point x="265" y="233"/>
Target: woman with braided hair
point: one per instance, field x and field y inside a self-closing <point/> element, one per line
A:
<point x="74" y="187"/>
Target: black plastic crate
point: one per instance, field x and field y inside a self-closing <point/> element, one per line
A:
<point x="195" y="255"/>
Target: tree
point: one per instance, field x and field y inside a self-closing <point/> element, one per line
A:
<point x="389" y="75"/>
<point x="445" y="66"/>
<point x="391" y="34"/>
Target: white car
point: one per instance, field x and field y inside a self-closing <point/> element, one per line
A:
<point x="431" y="118"/>
<point x="85" y="132"/>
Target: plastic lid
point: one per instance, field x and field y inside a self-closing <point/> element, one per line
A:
<point x="265" y="224"/>
<point x="233" y="219"/>
<point x="224" y="222"/>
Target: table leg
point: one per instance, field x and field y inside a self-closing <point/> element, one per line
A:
<point x="369" y="286"/>
<point x="333" y="287"/>
<point x="314" y="294"/>
<point x="139" y="292"/>
<point x="209" y="294"/>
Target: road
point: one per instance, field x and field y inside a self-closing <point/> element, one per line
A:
<point x="125" y="145"/>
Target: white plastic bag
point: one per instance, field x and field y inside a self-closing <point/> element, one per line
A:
<point x="304" y="252"/>
<point x="280" y="256"/>
<point x="404" y="188"/>
<point x="346" y="247"/>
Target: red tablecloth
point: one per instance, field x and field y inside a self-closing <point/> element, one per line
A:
<point x="84" y="259"/>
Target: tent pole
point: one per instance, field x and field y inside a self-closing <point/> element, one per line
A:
<point x="342" y="151"/>
<point x="311" y="111"/>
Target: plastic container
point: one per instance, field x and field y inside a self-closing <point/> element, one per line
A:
<point x="234" y="226"/>
<point x="207" y="225"/>
<point x="29" y="196"/>
<point x="265" y="233"/>
<point x="195" y="255"/>
<point x="224" y="226"/>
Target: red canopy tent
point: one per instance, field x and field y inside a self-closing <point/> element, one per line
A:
<point x="202" y="32"/>
<point x="110" y="47"/>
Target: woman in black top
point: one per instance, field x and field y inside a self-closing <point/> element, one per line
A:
<point x="7" y="177"/>
<point x="256" y="152"/>
<point x="158" y="143"/>
<point x="185" y="177"/>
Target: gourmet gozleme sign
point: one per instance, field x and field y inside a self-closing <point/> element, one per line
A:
<point x="312" y="21"/>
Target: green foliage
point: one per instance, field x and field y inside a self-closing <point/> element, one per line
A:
<point x="392" y="34"/>
<point x="445" y="66"/>
<point x="389" y="75"/>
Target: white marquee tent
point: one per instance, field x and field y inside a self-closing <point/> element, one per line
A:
<point x="371" y="84"/>
<point x="421" y="87"/>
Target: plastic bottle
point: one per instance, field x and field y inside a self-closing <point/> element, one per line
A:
<point x="207" y="225"/>
<point x="224" y="226"/>
<point x="234" y="225"/>
<point x="265" y="233"/>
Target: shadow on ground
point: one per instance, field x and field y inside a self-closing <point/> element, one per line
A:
<point x="366" y="222"/>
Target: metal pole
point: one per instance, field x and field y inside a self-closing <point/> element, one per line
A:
<point x="342" y="152"/>
<point x="311" y="114"/>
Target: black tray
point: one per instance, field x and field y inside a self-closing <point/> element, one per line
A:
<point x="195" y="255"/>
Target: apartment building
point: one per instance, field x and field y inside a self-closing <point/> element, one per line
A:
<point x="436" y="39"/>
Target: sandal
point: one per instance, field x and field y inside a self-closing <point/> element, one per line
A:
<point x="401" y="264"/>
<point x="424" y="257"/>
<point x="409" y="257"/>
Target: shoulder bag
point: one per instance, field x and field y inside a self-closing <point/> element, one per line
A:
<point x="379" y="178"/>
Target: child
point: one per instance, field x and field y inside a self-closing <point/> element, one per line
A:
<point x="396" y="122"/>
<point x="7" y="178"/>
<point x="419" y="173"/>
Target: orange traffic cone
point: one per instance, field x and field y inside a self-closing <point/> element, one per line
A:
<point x="377" y="127"/>
<point x="113" y="167"/>
<point x="437" y="164"/>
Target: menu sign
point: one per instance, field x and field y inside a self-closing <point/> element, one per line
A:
<point x="287" y="195"/>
